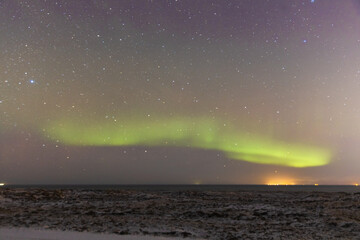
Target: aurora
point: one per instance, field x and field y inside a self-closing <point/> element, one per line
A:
<point x="199" y="132"/>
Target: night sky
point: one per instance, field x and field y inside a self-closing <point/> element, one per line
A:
<point x="188" y="92"/>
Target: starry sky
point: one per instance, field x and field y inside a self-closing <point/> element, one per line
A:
<point x="180" y="92"/>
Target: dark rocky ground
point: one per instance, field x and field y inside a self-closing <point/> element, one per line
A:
<point x="192" y="214"/>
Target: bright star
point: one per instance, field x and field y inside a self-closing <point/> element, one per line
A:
<point x="32" y="81"/>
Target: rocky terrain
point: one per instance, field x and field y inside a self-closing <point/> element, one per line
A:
<point x="189" y="214"/>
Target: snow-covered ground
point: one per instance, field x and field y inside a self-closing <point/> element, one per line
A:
<point x="35" y="234"/>
<point x="213" y="215"/>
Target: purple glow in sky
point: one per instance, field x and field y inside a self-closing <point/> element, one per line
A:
<point x="282" y="72"/>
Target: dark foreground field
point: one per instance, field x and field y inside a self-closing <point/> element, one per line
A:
<point x="186" y="213"/>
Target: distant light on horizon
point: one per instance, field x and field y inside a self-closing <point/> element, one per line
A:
<point x="282" y="181"/>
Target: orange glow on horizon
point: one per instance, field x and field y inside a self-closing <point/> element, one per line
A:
<point x="280" y="182"/>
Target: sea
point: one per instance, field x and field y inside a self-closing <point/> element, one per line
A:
<point x="202" y="187"/>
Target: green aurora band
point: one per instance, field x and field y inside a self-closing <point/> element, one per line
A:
<point x="188" y="132"/>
